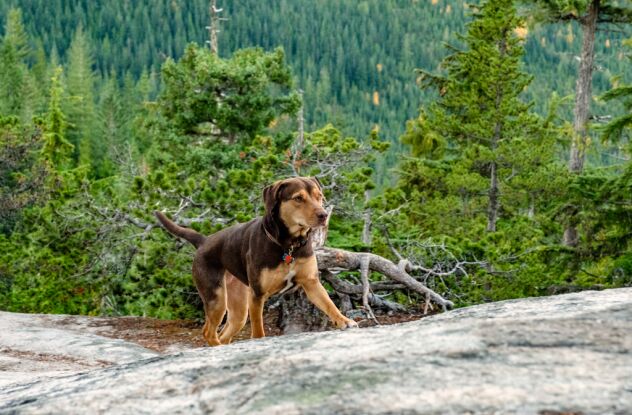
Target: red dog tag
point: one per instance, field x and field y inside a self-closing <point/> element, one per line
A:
<point x="288" y="259"/>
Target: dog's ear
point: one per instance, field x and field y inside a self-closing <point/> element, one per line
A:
<point x="318" y="183"/>
<point x="271" y="196"/>
<point x="269" y="200"/>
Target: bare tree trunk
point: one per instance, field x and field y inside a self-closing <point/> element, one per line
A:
<point x="338" y="259"/>
<point x="366" y="230"/>
<point x="297" y="147"/>
<point x="494" y="192"/>
<point x="583" y="89"/>
<point x="492" y="212"/>
<point x="213" y="26"/>
<point x="583" y="95"/>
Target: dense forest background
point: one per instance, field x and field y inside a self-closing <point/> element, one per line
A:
<point x="107" y="112"/>
<point x="355" y="61"/>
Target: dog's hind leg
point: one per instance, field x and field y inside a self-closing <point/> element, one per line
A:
<point x="237" y="306"/>
<point x="214" y="310"/>
<point x="255" y="309"/>
<point x="212" y="288"/>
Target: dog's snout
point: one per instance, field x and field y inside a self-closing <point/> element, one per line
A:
<point x="322" y="216"/>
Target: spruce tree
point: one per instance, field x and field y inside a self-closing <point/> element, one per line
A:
<point x="479" y="112"/>
<point x="591" y="15"/>
<point x="80" y="103"/>
<point x="17" y="89"/>
<point x="56" y="149"/>
<point x="621" y="124"/>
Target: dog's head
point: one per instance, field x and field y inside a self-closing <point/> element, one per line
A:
<point x="297" y="202"/>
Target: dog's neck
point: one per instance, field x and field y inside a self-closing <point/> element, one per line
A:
<point x="278" y="232"/>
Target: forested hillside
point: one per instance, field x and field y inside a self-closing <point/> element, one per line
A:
<point x="355" y="60"/>
<point x="500" y="167"/>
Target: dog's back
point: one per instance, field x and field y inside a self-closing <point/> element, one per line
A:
<point x="226" y="248"/>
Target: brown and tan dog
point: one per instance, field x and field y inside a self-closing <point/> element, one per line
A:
<point x="240" y="267"/>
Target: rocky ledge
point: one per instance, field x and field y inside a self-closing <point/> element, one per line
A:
<point x="568" y="354"/>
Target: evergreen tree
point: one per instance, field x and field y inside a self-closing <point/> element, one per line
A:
<point x="17" y="88"/>
<point x="590" y="14"/>
<point x="232" y="98"/>
<point x="15" y="34"/>
<point x="480" y="111"/>
<point x="382" y="42"/>
<point x="80" y="102"/>
<point x="56" y="149"/>
<point x="617" y="128"/>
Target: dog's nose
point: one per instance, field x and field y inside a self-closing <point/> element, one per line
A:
<point x="322" y="216"/>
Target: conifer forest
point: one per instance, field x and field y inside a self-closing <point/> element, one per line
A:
<point x="482" y="148"/>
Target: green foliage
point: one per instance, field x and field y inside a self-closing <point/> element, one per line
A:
<point x="480" y="119"/>
<point x="56" y="149"/>
<point x="79" y="106"/>
<point x="234" y="98"/>
<point x="611" y="11"/>
<point x="341" y="52"/>
<point x="16" y="85"/>
<point x="620" y="125"/>
<point x="21" y="172"/>
<point x="201" y="139"/>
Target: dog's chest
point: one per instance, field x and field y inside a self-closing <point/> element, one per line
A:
<point x="284" y="277"/>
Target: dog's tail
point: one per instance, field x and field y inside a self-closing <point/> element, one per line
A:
<point x="190" y="235"/>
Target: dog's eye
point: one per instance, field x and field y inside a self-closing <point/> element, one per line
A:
<point x="298" y="198"/>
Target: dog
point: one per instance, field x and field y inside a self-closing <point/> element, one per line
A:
<point x="238" y="268"/>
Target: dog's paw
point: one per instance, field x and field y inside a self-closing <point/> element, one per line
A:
<point x="349" y="324"/>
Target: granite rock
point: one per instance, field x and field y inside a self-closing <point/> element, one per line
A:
<point x="567" y="354"/>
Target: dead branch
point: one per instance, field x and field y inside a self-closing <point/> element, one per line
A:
<point x="364" y="274"/>
<point x="344" y="289"/>
<point x="336" y="259"/>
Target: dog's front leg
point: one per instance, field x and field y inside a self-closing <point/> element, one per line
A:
<point x="319" y="297"/>
<point x="307" y="278"/>
<point x="255" y="309"/>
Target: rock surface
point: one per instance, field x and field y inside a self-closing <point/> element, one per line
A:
<point x="43" y="346"/>
<point x="567" y="354"/>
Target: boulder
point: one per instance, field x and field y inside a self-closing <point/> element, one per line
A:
<point x="567" y="354"/>
<point x="39" y="346"/>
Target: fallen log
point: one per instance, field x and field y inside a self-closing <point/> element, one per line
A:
<point x="334" y="260"/>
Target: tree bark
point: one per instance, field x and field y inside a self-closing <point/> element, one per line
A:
<point x="366" y="229"/>
<point x="494" y="192"/>
<point x="492" y="214"/>
<point x="583" y="94"/>
<point x="583" y="88"/>
<point x="213" y="27"/>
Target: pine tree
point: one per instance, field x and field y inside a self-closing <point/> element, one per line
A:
<point x="15" y="34"/>
<point x="57" y="149"/>
<point x="80" y="103"/>
<point x="591" y="15"/>
<point x="234" y="98"/>
<point x="480" y="111"/>
<point x="114" y="120"/>
<point x="621" y="124"/>
<point x="17" y="89"/>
